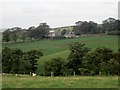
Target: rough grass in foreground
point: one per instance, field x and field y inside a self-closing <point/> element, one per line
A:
<point x="10" y="81"/>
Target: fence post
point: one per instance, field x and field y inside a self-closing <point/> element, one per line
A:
<point x="74" y="73"/>
<point x="52" y="74"/>
<point x="30" y="74"/>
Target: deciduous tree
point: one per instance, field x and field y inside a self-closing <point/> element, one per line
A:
<point x="77" y="54"/>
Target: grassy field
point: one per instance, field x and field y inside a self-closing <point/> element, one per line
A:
<point x="54" y="46"/>
<point x="10" y="81"/>
<point x="60" y="48"/>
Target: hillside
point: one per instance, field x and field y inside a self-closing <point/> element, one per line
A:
<point x="60" y="48"/>
<point x="70" y="28"/>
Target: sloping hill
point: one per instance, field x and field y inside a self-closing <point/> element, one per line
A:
<point x="60" y="48"/>
<point x="70" y="28"/>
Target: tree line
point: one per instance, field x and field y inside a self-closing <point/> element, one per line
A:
<point x="15" y="61"/>
<point x="32" y="33"/>
<point x="83" y="61"/>
<point x="108" y="26"/>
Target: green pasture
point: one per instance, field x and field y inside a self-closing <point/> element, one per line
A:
<point x="60" y="47"/>
<point x="26" y="81"/>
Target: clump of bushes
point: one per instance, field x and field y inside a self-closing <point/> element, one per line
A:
<point x="16" y="61"/>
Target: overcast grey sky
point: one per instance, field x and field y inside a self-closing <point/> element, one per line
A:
<point x="26" y="13"/>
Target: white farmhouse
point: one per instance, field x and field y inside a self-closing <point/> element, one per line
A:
<point x="54" y="33"/>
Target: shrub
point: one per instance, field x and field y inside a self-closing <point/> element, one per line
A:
<point x="55" y="65"/>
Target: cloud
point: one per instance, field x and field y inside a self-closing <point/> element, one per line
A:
<point x="56" y="12"/>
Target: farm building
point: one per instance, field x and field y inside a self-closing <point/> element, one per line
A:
<point x="69" y="34"/>
<point x="54" y="33"/>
